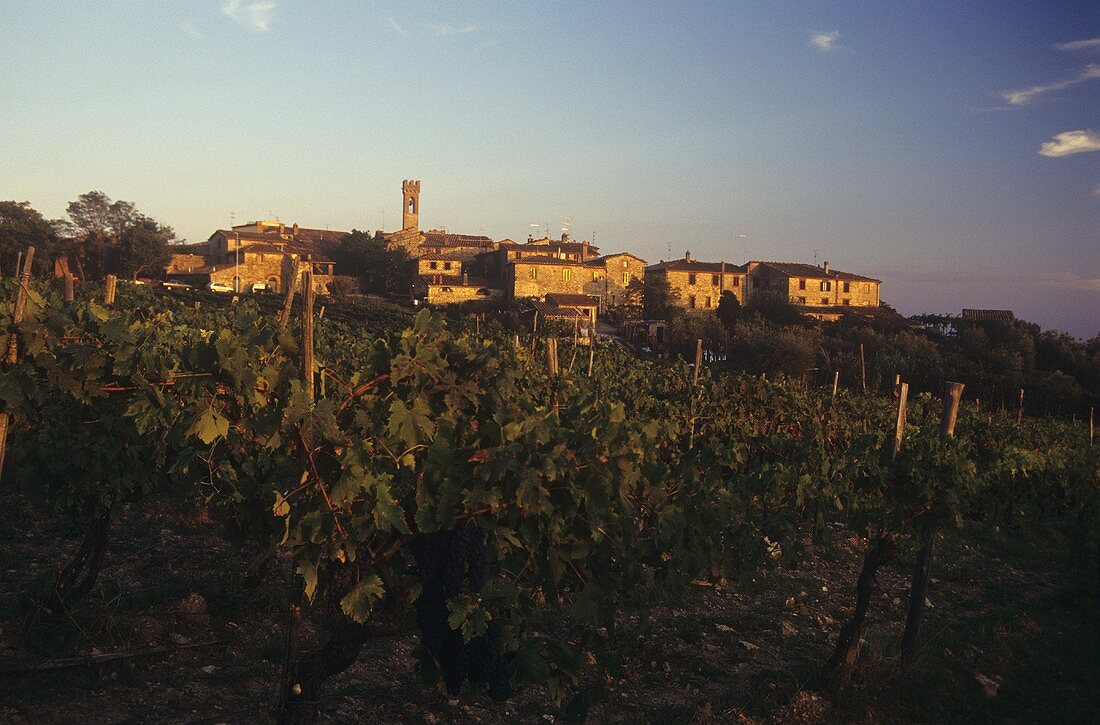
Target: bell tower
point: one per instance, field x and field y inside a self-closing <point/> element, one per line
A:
<point x="410" y="207"/>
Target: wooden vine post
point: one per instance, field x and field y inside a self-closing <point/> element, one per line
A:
<point x="109" y="292"/>
<point x="552" y="367"/>
<point x="591" y="354"/>
<point x="862" y="368"/>
<point x="918" y="591"/>
<point x="698" y="360"/>
<point x="68" y="286"/>
<point x="1020" y="408"/>
<point x="307" y="333"/>
<point x="1092" y="429"/>
<point x="838" y="671"/>
<point x="11" y="352"/>
<point x="836" y="382"/>
<point x="288" y="301"/>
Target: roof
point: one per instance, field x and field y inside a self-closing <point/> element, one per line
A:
<point x="549" y="309"/>
<point x="571" y="300"/>
<point x="443" y="239"/>
<point x="685" y="265"/>
<point x="262" y="249"/>
<point x="994" y="315"/>
<point x="797" y="269"/>
<point x="543" y="259"/>
<point x="437" y="257"/>
<point x="598" y="261"/>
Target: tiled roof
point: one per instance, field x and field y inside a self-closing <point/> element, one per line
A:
<point x="455" y="280"/>
<point x="443" y="239"/>
<point x="600" y="261"/>
<point x="261" y="249"/>
<point x="797" y="269"/>
<point x="436" y="257"/>
<point x="684" y="265"/>
<point x="549" y="309"/>
<point x="570" y="300"/>
<point x="995" y="315"/>
<point x="541" y="259"/>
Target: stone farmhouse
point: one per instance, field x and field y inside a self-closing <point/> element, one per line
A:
<point x="258" y="255"/>
<point x="820" y="291"/>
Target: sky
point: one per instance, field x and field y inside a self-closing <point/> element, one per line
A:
<point x="950" y="149"/>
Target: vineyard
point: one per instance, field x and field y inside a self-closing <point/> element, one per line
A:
<point x="480" y="524"/>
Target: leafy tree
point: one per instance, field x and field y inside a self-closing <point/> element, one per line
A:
<point x="369" y="258"/>
<point x="775" y="307"/>
<point x="20" y="227"/>
<point x="658" y="298"/>
<point x="729" y="309"/>
<point x="100" y="221"/>
<point x="143" y="246"/>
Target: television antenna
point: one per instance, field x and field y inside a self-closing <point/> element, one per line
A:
<point x="815" y="256"/>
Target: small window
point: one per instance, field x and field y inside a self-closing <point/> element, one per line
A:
<point x="626" y="278"/>
<point x="847" y="287"/>
<point x="595" y="276"/>
<point x="433" y="265"/>
<point x="847" y="303"/>
<point x="826" y="285"/>
<point x="566" y="274"/>
<point x="736" y="281"/>
<point x="519" y="255"/>
<point x="824" y="300"/>
<point x="706" y="303"/>
<point x="533" y="273"/>
<point x="691" y="280"/>
<point x="714" y="281"/>
<point x="691" y="301"/>
<point x="447" y="266"/>
<point x="801" y="284"/>
<point x="802" y="300"/>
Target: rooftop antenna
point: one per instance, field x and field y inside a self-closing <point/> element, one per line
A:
<point x="815" y="256"/>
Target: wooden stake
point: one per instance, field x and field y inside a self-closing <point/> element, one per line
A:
<point x="552" y="355"/>
<point x="109" y="292"/>
<point x="515" y="344"/>
<point x="836" y="382"/>
<point x="321" y="313"/>
<point x="591" y="356"/>
<point x="284" y="315"/>
<point x="862" y="368"/>
<point x="950" y="409"/>
<point x="1020" y="409"/>
<point x="698" y="360"/>
<point x="68" y="282"/>
<point x="1092" y="414"/>
<point x="11" y="353"/>
<point x="899" y="429"/>
<point x="307" y="332"/>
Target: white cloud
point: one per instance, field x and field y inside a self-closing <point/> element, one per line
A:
<point x="825" y="40"/>
<point x="1071" y="142"/>
<point x="1027" y="95"/>
<point x="1069" y="280"/>
<point x="396" y="26"/>
<point x="254" y="15"/>
<point x="1092" y="44"/>
<point x="444" y="29"/>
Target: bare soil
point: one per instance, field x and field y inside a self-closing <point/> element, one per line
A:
<point x="1012" y="636"/>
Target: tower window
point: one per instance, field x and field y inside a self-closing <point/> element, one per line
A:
<point x="412" y="204"/>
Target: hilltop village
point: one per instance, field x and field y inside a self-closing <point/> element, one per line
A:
<point x="557" y="277"/>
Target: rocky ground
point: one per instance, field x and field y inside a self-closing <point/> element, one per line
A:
<point x="172" y="635"/>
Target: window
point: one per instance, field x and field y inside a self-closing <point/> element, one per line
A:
<point x="691" y="301"/>
<point x="533" y="273"/>
<point x="801" y="284"/>
<point x="433" y="265"/>
<point x="566" y="274"/>
<point x="847" y="303"/>
<point x="826" y="285"/>
<point x="519" y="255"/>
<point x="824" y="300"/>
<point x="691" y="279"/>
<point x="706" y="303"/>
<point x="714" y="280"/>
<point x="802" y="300"/>
<point x="626" y="278"/>
<point x="595" y="276"/>
<point x="447" y="266"/>
<point x="736" y="281"/>
<point x="847" y="286"/>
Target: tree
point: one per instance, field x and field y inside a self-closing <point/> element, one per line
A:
<point x="21" y="227"/>
<point x="729" y="309"/>
<point x="143" y="246"/>
<point x="659" y="298"/>
<point x="370" y="259"/>
<point x="775" y="307"/>
<point x="100" y="221"/>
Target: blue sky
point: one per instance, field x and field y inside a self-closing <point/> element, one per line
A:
<point x="950" y="149"/>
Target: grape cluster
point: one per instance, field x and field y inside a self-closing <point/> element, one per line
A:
<point x="448" y="564"/>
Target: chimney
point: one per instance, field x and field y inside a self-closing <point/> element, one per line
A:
<point x="584" y="250"/>
<point x="295" y="230"/>
<point x="826" y="267"/>
<point x="687" y="256"/>
<point x="564" y="237"/>
<point x="530" y="238"/>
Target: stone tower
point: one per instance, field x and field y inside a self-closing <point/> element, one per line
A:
<point x="410" y="208"/>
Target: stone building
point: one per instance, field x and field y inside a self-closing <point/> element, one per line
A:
<point x="700" y="284"/>
<point x="812" y="287"/>
<point x="434" y="241"/>
<point x="263" y="253"/>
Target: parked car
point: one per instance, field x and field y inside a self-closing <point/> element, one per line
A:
<point x="176" y="285"/>
<point x="219" y="287"/>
